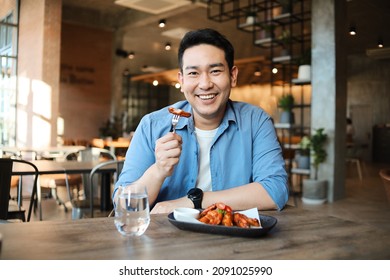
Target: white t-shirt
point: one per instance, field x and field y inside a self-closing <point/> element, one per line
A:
<point x="204" y="137"/>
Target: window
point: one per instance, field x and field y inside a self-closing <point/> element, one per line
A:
<point x="8" y="77"/>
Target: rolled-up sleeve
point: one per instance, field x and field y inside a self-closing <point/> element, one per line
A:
<point x="268" y="163"/>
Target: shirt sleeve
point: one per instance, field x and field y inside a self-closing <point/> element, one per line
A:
<point x="139" y="156"/>
<point x="268" y="163"/>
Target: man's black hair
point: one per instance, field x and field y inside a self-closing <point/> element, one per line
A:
<point x="206" y="36"/>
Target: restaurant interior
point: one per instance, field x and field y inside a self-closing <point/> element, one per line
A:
<point x="83" y="74"/>
<point x="78" y="76"/>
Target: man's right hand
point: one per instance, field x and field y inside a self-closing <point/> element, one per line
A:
<point x="167" y="152"/>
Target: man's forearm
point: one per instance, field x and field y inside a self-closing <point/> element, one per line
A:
<point x="243" y="197"/>
<point x="153" y="182"/>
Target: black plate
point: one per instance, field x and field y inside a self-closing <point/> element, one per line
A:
<point x="267" y="223"/>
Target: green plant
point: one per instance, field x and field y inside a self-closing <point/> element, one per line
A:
<point x="318" y="153"/>
<point x="286" y="102"/>
<point x="304" y="146"/>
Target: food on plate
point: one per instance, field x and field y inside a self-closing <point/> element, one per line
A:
<point x="244" y="221"/>
<point x="179" y="112"/>
<point x="222" y="214"/>
<point x="227" y="219"/>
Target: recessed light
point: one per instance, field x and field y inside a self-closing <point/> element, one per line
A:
<point x="161" y="23"/>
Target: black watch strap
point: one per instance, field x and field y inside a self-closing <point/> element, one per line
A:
<point x="196" y="196"/>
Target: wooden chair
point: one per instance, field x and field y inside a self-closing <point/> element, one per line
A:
<point x="10" y="210"/>
<point x="385" y="176"/>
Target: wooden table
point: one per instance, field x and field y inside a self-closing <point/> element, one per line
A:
<point x="299" y="234"/>
<point x="46" y="167"/>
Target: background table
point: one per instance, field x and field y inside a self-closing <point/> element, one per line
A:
<point x="299" y="234"/>
<point x="70" y="167"/>
<point x="40" y="153"/>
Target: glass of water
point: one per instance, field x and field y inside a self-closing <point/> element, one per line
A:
<point x="132" y="216"/>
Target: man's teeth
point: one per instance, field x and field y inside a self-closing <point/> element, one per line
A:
<point x="205" y="97"/>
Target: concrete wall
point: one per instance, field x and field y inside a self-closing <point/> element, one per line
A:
<point x="369" y="84"/>
<point x="368" y="102"/>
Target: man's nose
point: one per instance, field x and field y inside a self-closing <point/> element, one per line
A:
<point x="205" y="82"/>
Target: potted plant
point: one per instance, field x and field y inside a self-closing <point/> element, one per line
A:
<point x="286" y="103"/>
<point x="315" y="190"/>
<point x="302" y="156"/>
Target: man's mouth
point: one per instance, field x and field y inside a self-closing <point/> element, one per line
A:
<point x="207" y="96"/>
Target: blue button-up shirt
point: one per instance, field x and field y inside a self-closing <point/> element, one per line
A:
<point x="245" y="149"/>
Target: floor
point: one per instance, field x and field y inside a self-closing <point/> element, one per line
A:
<point x="364" y="199"/>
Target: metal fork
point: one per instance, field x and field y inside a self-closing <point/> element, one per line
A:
<point x="175" y="120"/>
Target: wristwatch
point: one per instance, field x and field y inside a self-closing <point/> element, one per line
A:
<point x="196" y="196"/>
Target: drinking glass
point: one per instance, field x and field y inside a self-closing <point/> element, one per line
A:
<point x="132" y="216"/>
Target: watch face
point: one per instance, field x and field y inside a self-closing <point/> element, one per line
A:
<point x="195" y="193"/>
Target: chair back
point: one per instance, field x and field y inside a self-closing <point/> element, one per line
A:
<point x="117" y="164"/>
<point x="5" y="185"/>
<point x="385" y="176"/>
<point x="93" y="154"/>
<point x="89" y="154"/>
<point x="6" y="172"/>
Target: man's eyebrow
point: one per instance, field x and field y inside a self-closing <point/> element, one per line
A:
<point x="219" y="64"/>
<point x="191" y="67"/>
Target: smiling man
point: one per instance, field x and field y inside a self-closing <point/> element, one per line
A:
<point x="225" y="152"/>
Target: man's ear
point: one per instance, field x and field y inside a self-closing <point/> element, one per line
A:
<point x="180" y="79"/>
<point x="233" y="76"/>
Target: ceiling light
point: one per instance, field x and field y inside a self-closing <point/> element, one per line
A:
<point x="352" y="30"/>
<point x="131" y="55"/>
<point x="167" y="46"/>
<point x="155" y="83"/>
<point x="161" y="23"/>
<point x="274" y="70"/>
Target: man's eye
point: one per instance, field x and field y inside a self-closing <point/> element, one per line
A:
<point x="216" y="71"/>
<point x="192" y="73"/>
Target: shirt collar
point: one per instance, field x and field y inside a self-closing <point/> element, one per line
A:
<point x="229" y="117"/>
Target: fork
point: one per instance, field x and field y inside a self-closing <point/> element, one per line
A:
<point x="175" y="120"/>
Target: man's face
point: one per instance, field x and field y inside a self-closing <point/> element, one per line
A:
<point x="206" y="82"/>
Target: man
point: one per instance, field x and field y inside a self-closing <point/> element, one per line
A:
<point x="225" y="152"/>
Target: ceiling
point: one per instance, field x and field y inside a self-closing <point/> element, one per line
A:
<point x="141" y="34"/>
